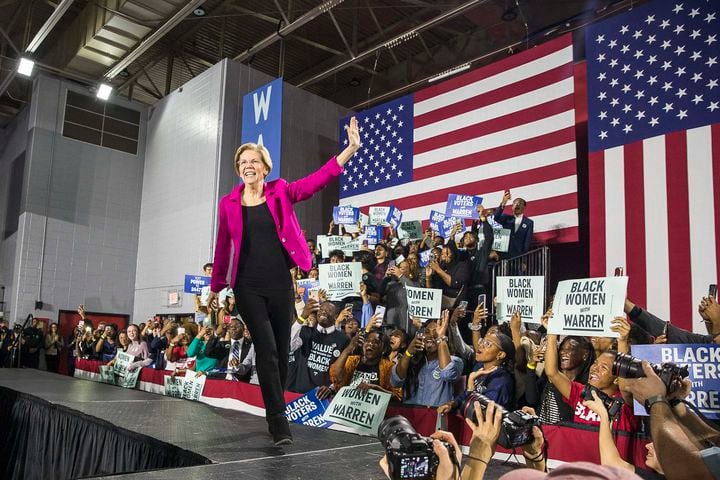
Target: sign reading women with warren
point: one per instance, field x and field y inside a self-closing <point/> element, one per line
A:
<point x="585" y="307"/>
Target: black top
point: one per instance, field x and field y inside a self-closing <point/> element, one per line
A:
<point x="648" y="474"/>
<point x="263" y="261"/>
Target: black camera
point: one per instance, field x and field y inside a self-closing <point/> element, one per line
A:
<point x="612" y="404"/>
<point x="516" y="427"/>
<point x="627" y="366"/>
<point x="409" y="454"/>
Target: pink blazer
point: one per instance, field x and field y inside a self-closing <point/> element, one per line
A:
<point x="280" y="196"/>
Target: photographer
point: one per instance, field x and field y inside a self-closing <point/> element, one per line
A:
<point x="678" y="434"/>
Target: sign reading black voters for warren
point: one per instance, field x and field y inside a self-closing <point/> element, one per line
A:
<point x="424" y="302"/>
<point x="340" y="280"/>
<point x="523" y="295"/>
<point x="585" y="307"/>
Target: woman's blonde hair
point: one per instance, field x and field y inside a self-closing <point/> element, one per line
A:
<point x="264" y="155"/>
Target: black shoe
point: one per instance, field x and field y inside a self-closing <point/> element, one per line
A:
<point x="280" y="430"/>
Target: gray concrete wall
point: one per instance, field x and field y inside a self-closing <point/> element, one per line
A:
<point x="77" y="236"/>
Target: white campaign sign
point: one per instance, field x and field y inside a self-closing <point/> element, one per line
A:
<point x="378" y="215"/>
<point x="122" y="361"/>
<point x="501" y="242"/>
<point x="193" y="386"/>
<point x="362" y="411"/>
<point x="585" y="307"/>
<point x="340" y="280"/>
<point x="339" y="242"/>
<point x="520" y="294"/>
<point x="173" y="386"/>
<point x="424" y="302"/>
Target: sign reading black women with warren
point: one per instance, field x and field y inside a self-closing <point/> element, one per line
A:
<point x="585" y="307"/>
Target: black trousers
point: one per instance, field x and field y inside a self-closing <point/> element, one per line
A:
<point x="268" y="315"/>
<point x="51" y="362"/>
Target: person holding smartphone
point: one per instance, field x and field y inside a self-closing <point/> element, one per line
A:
<point x="257" y="221"/>
<point x="520" y="226"/>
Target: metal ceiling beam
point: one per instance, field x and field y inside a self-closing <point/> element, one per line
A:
<point x="154" y="38"/>
<point x="49" y="24"/>
<point x="288" y="29"/>
<point x="459" y="10"/>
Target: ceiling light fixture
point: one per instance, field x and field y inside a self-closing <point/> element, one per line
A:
<point x="103" y="92"/>
<point x="199" y="12"/>
<point x="449" y="72"/>
<point x="25" y="67"/>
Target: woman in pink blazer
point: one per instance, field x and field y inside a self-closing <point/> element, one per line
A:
<point x="258" y="226"/>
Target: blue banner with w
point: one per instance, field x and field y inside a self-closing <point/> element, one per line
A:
<point x="262" y="121"/>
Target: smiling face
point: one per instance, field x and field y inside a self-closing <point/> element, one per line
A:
<point x="236" y="329"/>
<point x="251" y="168"/>
<point x="601" y="372"/>
<point x="326" y="314"/>
<point x="133" y="333"/>
<point x="572" y="355"/>
<point x="123" y="338"/>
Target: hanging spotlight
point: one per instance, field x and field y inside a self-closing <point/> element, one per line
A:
<point x="103" y="92"/>
<point x="199" y="12"/>
<point x="25" y="67"/>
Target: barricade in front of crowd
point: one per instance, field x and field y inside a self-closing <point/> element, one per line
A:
<point x="566" y="442"/>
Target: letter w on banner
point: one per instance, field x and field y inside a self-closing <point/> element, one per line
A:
<point x="262" y="121"/>
<point x="508" y="125"/>
<point x="654" y="138"/>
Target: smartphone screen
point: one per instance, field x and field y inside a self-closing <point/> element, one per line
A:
<point x="712" y="290"/>
<point x="380" y="312"/>
<point x="462" y="305"/>
<point x="348" y="306"/>
<point x="399" y="259"/>
<point x="481" y="299"/>
<point x="181" y="330"/>
<point x="314" y="294"/>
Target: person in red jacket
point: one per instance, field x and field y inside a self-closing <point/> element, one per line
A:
<point x="257" y="222"/>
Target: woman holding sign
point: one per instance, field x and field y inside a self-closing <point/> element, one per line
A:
<point x="258" y="221"/>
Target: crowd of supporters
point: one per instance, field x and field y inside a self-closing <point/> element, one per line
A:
<point x="433" y="363"/>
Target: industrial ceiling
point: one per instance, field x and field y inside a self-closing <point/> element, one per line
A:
<point x="354" y="52"/>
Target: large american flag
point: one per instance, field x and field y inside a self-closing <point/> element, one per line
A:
<point x="654" y="104"/>
<point x="508" y="125"/>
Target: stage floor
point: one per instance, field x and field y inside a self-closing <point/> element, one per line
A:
<point x="237" y="443"/>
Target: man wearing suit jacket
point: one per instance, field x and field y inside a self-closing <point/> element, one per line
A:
<point x="235" y="354"/>
<point x="521" y="227"/>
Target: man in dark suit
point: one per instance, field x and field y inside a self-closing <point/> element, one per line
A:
<point x="234" y="353"/>
<point x="521" y="227"/>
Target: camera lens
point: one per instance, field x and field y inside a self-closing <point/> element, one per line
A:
<point x="394" y="427"/>
<point x="627" y="366"/>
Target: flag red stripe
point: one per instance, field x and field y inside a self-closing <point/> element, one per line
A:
<point x="509" y="150"/>
<point x="515" y="180"/>
<point x="679" y="234"/>
<point x="715" y="138"/>
<point x="495" y="68"/>
<point x="596" y="184"/>
<point x="498" y="124"/>
<point x="503" y="93"/>
<point x="635" y="222"/>
<point x="561" y="235"/>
